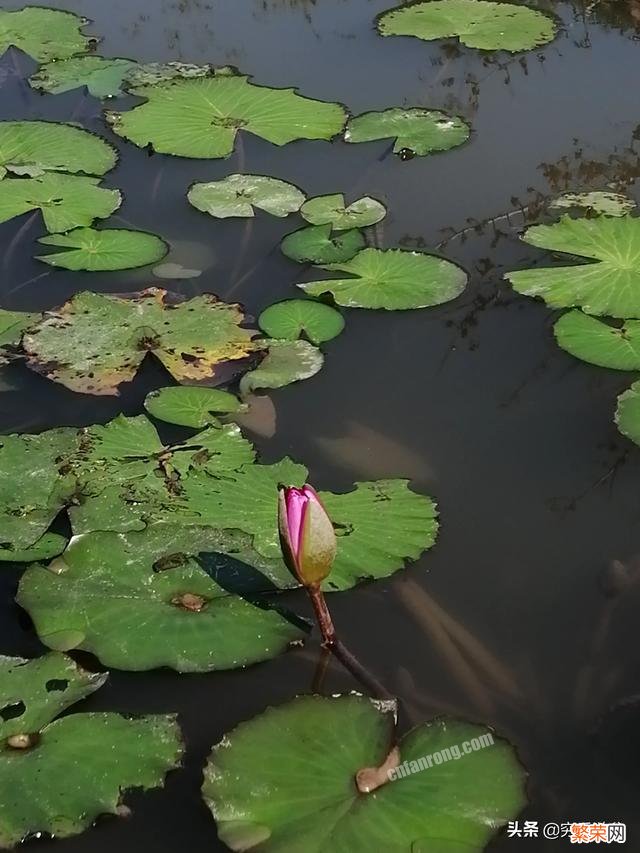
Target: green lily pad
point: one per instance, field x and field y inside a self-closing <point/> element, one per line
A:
<point x="302" y="760"/>
<point x="610" y="286"/>
<point x="104" y="78"/>
<point x="66" y="201"/>
<point x="12" y="325"/>
<point x="106" y="338"/>
<point x="295" y="317"/>
<point x="380" y="525"/>
<point x="140" y="601"/>
<point x="34" y="147"/>
<point x="477" y="23"/>
<point x="628" y="413"/>
<point x="286" y="362"/>
<point x="201" y="117"/>
<point x="75" y="768"/>
<point x="109" y="249"/>
<point x="333" y="210"/>
<point x="616" y="347"/>
<point x="316" y="244"/>
<point x="598" y="202"/>
<point x="392" y="279"/>
<point x="416" y="131"/>
<point x="48" y="546"/>
<point x="238" y="195"/>
<point x="43" y="33"/>
<point x="191" y="407"/>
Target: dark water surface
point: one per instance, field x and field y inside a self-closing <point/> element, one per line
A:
<point x="538" y="492"/>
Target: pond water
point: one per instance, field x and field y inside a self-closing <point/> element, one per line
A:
<point x="473" y="401"/>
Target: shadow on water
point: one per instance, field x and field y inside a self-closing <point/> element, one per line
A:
<point x="516" y="618"/>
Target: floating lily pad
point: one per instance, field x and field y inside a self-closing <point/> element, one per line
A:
<point x="295" y="317"/>
<point x="140" y="601"/>
<point x="416" y="131"/>
<point x="628" y="413"/>
<point x="104" y="78"/>
<point x="76" y="768"/>
<point x="174" y="271"/>
<point x="109" y="249"/>
<point x="316" y="244"/>
<point x="238" y="195"/>
<point x="477" y="23"/>
<point x="610" y="286"/>
<point x="66" y="201"/>
<point x="201" y="117"/>
<point x="309" y="752"/>
<point x="34" y="147"/>
<point x="380" y="525"/>
<point x="392" y="279"/>
<point x="43" y="33"/>
<point x="333" y="210"/>
<point x="192" y="407"/>
<point x="48" y="546"/>
<point x="616" y="347"/>
<point x="95" y="341"/>
<point x="286" y="362"/>
<point x="598" y="202"/>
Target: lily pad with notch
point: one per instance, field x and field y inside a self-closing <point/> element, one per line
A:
<point x="292" y="318"/>
<point x="77" y="767"/>
<point x="43" y="34"/>
<point x="591" y="340"/>
<point x="103" y="77"/>
<point x="318" y="244"/>
<point x="191" y="406"/>
<point x="333" y="210"/>
<point x="392" y="279"/>
<point x="238" y="195"/>
<point x="330" y="757"/>
<point x="286" y="362"/>
<point x="109" y="249"/>
<point x="416" y="131"/>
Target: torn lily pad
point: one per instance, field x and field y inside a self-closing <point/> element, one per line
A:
<point x="34" y="147"/>
<point x="44" y="34"/>
<point x="201" y="117"/>
<point x="333" y="210"/>
<point x="66" y="201"/>
<point x="627" y="415"/>
<point x="109" y="249"/>
<point x="104" y="78"/>
<point x="610" y="286"/>
<point x="95" y="342"/>
<point x="318" y="753"/>
<point x="600" y="203"/>
<point x="392" y="279"/>
<point x="191" y="406"/>
<point x="286" y="362"/>
<point x="238" y="195"/>
<point x="591" y="340"/>
<point x="139" y="601"/>
<point x="317" y="244"/>
<point x="74" y="768"/>
<point x="477" y="23"/>
<point x="415" y="131"/>
<point x="48" y="546"/>
<point x="293" y="318"/>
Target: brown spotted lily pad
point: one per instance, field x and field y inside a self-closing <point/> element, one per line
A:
<point x="96" y="341"/>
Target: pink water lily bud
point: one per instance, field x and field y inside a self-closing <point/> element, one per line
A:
<point x="306" y="534"/>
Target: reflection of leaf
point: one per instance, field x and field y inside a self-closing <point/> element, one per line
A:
<point x="43" y="33"/>
<point x="66" y="201"/>
<point x="416" y="130"/>
<point x="610" y="286"/>
<point x="140" y="600"/>
<point x="616" y="347"/>
<point x="34" y="147"/>
<point x="317" y="245"/>
<point x="237" y="195"/>
<point x="628" y="413"/>
<point x="380" y="525"/>
<point x="294" y="317"/>
<point x="309" y="752"/>
<point x="74" y="769"/>
<point x="189" y="406"/>
<point x="201" y="117"/>
<point x="392" y="279"/>
<point x="102" y="77"/>
<point x="333" y="210"/>
<point x="477" y="23"/>
<point x="95" y="342"/>
<point x="286" y="362"/>
<point x="109" y="249"/>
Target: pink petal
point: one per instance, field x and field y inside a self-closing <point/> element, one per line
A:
<point x="296" y="501"/>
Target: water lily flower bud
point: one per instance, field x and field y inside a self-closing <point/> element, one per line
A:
<point x="307" y="537"/>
